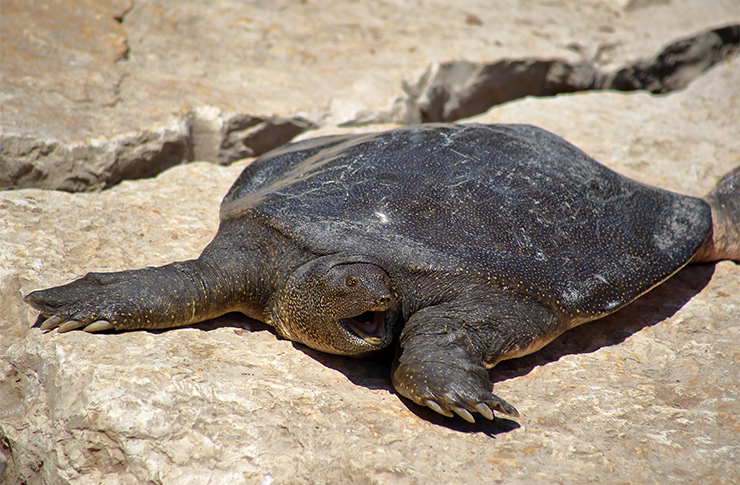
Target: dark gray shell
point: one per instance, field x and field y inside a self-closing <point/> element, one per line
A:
<point x="510" y="204"/>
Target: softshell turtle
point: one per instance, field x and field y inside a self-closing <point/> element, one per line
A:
<point x="467" y="244"/>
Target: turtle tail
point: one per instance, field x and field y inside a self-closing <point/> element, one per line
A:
<point x="724" y="240"/>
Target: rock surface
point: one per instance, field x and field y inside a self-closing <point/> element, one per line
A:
<point x="97" y="91"/>
<point x="649" y="394"/>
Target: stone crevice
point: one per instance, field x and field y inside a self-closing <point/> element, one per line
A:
<point x="447" y="91"/>
<point x="125" y="55"/>
<point x="122" y="16"/>
<point x="205" y="133"/>
<point x="459" y="89"/>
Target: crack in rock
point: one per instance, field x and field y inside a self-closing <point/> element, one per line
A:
<point x="126" y="10"/>
<point x="677" y="64"/>
<point x="91" y="165"/>
<point x="203" y="134"/>
<point x="445" y="92"/>
<point x="248" y="136"/>
<point x="459" y="89"/>
<point x="224" y="138"/>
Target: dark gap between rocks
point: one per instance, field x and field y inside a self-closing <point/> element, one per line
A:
<point x="49" y="164"/>
<point x="127" y="10"/>
<point x="446" y="92"/>
<point x="459" y="89"/>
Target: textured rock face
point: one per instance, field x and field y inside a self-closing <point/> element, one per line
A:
<point x="98" y="91"/>
<point x="649" y="394"/>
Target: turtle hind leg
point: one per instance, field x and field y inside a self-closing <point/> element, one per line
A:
<point x="724" y="240"/>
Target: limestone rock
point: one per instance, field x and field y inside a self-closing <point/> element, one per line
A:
<point x="460" y="89"/>
<point x="81" y="79"/>
<point x="649" y="393"/>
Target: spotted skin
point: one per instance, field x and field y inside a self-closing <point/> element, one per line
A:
<point x="462" y="245"/>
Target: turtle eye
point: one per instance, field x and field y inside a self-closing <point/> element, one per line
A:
<point x="350" y="281"/>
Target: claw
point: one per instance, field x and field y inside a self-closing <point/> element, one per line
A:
<point x="51" y="322"/>
<point x="436" y="407"/>
<point x="464" y="413"/>
<point x="99" y="326"/>
<point x="504" y="407"/>
<point x="70" y="325"/>
<point x="484" y="410"/>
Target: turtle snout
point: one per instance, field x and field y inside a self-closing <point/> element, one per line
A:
<point x="384" y="301"/>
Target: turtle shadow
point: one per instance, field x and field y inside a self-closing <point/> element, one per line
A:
<point x="657" y="305"/>
<point x="654" y="307"/>
<point x="231" y="320"/>
<point x="374" y="373"/>
<point x="496" y="426"/>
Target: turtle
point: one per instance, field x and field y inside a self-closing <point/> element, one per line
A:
<point x="452" y="246"/>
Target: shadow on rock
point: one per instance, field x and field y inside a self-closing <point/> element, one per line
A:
<point x="234" y="320"/>
<point x="498" y="425"/>
<point x="371" y="373"/>
<point x="375" y="374"/>
<point x="656" y="306"/>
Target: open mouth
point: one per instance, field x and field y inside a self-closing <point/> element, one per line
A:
<point x="369" y="326"/>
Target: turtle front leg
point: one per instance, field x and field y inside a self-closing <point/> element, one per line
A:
<point x="446" y="349"/>
<point x="447" y="383"/>
<point x="440" y="365"/>
<point x="169" y="296"/>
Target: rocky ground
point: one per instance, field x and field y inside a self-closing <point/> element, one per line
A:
<point x="96" y="94"/>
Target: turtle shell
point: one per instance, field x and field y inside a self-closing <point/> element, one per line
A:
<point x="512" y="205"/>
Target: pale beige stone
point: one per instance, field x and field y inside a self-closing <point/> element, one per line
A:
<point x="650" y="394"/>
<point x="84" y="82"/>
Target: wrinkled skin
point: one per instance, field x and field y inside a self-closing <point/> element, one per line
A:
<point x="462" y="245"/>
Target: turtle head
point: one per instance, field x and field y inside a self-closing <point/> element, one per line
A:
<point x="337" y="304"/>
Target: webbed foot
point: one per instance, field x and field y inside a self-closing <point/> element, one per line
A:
<point x="448" y="388"/>
<point x="724" y="241"/>
<point x="126" y="300"/>
<point x="91" y="303"/>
